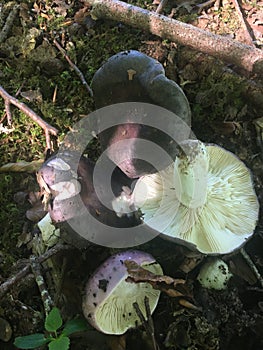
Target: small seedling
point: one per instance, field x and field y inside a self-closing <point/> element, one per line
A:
<point x="57" y="337"/>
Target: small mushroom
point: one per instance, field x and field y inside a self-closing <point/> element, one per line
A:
<point x="214" y="274"/>
<point x="131" y="76"/>
<point x="108" y="300"/>
<point x="205" y="199"/>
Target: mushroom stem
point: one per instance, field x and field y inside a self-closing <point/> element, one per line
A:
<point x="190" y="174"/>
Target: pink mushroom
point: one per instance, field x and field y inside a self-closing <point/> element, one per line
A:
<point x="109" y="298"/>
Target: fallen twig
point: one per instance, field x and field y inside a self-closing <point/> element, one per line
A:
<point x="22" y="167"/>
<point x="76" y="69"/>
<point x="147" y="322"/>
<point x="205" y="5"/>
<point x="45" y="296"/>
<point x="249" y="39"/>
<point x="31" y="114"/>
<point x="252" y="266"/>
<point x="161" y="6"/>
<point x="231" y="51"/>
<point x="12" y="281"/>
<point x="8" y="24"/>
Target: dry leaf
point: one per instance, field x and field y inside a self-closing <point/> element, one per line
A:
<point x="191" y="260"/>
<point x="171" y="286"/>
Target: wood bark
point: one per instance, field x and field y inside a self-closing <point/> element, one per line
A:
<point x="230" y="51"/>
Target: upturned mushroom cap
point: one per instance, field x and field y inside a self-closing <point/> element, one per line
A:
<point x="108" y="300"/>
<point x="205" y="199"/>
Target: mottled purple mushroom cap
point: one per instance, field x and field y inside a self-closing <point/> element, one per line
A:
<point x="109" y="298"/>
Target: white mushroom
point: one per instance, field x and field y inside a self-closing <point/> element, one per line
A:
<point x="109" y="298"/>
<point x="206" y="198"/>
<point x="214" y="274"/>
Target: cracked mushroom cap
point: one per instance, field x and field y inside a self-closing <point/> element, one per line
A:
<point x="204" y="200"/>
<point x="109" y="298"/>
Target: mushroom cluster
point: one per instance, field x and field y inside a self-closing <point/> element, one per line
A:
<point x="108" y="300"/>
<point x="204" y="199"/>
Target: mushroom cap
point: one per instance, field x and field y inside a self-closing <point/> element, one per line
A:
<point x="74" y="204"/>
<point x="131" y="76"/>
<point x="214" y="274"/>
<point x="109" y="298"/>
<point x="221" y="223"/>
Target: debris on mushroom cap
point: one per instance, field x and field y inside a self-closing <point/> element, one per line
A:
<point x="214" y="274"/>
<point x="224" y="213"/>
<point x="109" y="298"/>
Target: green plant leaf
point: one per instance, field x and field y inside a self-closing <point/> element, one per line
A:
<point x="53" y="321"/>
<point x="75" y="325"/>
<point x="31" y="341"/>
<point x="61" y="343"/>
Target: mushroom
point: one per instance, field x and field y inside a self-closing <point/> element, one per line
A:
<point x="108" y="300"/>
<point x="66" y="179"/>
<point x="205" y="199"/>
<point x="131" y="76"/>
<point x="214" y="274"/>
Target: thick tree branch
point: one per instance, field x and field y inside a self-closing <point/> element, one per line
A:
<point x="230" y="51"/>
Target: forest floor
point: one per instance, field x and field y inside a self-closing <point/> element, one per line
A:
<point x="226" y="105"/>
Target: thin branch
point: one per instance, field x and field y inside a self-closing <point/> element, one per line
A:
<point x="12" y="281"/>
<point x="146" y="322"/>
<point x="76" y="69"/>
<point x="252" y="266"/>
<point x="249" y="38"/>
<point x="8" y="24"/>
<point x="48" y="129"/>
<point x="45" y="296"/>
<point x="205" y="5"/>
<point x="231" y="51"/>
<point x="161" y="6"/>
<point x="22" y="167"/>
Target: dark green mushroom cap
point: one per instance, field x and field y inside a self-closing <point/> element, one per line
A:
<point x="131" y="76"/>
